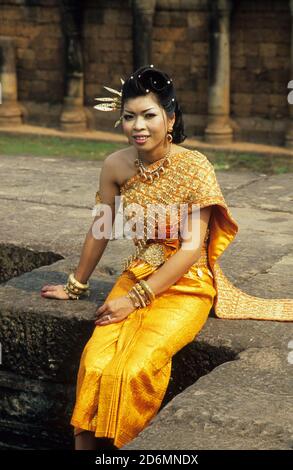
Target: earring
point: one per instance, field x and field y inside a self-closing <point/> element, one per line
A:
<point x="169" y="136"/>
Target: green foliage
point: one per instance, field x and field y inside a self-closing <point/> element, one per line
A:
<point x="269" y="164"/>
<point x="86" y="149"/>
<point x="41" y="146"/>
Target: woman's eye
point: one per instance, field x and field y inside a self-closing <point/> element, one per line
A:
<point x="126" y="116"/>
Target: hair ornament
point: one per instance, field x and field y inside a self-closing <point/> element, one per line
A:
<point x="149" y="79"/>
<point x="110" y="103"/>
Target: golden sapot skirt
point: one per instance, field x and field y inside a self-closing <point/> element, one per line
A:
<point x="125" y="367"/>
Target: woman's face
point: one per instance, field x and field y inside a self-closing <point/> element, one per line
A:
<point x="143" y="116"/>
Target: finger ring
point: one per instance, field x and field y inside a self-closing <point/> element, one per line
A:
<point x="109" y="317"/>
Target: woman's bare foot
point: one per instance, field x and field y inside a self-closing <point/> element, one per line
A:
<point x="86" y="440"/>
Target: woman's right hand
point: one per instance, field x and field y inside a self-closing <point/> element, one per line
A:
<point x="54" y="292"/>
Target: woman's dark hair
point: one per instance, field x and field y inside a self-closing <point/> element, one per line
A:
<point x="158" y="82"/>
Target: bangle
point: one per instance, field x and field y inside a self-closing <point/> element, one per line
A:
<point x="70" y="294"/>
<point x="139" y="296"/>
<point x="141" y="291"/>
<point x="74" y="296"/>
<point x="133" y="299"/>
<point x="78" y="284"/>
<point x="147" y="289"/>
<point x="74" y="288"/>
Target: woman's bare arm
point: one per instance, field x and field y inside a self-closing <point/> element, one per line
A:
<point x="93" y="248"/>
<point x="179" y="263"/>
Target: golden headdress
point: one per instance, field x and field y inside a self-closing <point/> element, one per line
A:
<point x="111" y="103"/>
<point x="115" y="103"/>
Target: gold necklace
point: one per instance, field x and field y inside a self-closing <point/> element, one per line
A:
<point x="149" y="175"/>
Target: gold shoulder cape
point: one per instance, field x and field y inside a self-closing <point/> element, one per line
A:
<point x="191" y="179"/>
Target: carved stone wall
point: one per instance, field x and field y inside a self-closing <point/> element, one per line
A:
<point x="260" y="39"/>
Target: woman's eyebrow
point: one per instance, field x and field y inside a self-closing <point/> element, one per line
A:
<point x="142" y="111"/>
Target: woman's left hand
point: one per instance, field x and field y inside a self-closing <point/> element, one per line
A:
<point x="113" y="311"/>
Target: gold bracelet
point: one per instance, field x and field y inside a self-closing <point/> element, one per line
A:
<point x="143" y="293"/>
<point x="148" y="289"/>
<point x="78" y="284"/>
<point x="133" y="299"/>
<point x="73" y="295"/>
<point x="139" y="296"/>
<point x="70" y="294"/>
<point x="75" y="288"/>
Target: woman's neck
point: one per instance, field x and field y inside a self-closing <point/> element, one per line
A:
<point x="155" y="155"/>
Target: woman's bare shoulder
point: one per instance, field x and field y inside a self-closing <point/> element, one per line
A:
<point x="115" y="157"/>
<point x="121" y="163"/>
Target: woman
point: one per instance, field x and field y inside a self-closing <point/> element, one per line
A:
<point x="164" y="295"/>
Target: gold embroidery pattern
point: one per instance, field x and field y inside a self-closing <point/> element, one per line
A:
<point x="233" y="303"/>
<point x="178" y="185"/>
<point x="191" y="179"/>
<point x="173" y="188"/>
<point x="155" y="255"/>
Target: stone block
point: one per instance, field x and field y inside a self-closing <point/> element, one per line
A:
<point x="26" y="54"/>
<point x="104" y="31"/>
<point x="123" y="32"/>
<point x="278" y="100"/>
<point x="174" y="33"/>
<point x="178" y="18"/>
<point x="199" y="49"/>
<point x="228" y="408"/>
<point x="241" y="99"/>
<point x="268" y="50"/>
<point x="162" y="18"/>
<point x="48" y="15"/>
<point x="197" y="34"/>
<point x="197" y="19"/>
<point x="35" y="414"/>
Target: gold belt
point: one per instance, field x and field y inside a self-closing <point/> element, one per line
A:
<point x="155" y="255"/>
<point x="153" y="252"/>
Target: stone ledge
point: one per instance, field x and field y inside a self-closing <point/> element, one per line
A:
<point x="43" y="338"/>
<point x="243" y="404"/>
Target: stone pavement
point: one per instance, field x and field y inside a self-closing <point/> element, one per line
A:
<point x="237" y="386"/>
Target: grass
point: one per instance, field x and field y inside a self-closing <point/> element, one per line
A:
<point x="49" y="146"/>
<point x="267" y="164"/>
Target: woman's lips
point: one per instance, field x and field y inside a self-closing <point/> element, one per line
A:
<point x="140" y="140"/>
